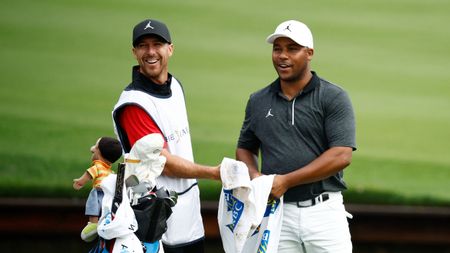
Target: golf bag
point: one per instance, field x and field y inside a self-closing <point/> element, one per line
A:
<point x="152" y="215"/>
<point x="132" y="228"/>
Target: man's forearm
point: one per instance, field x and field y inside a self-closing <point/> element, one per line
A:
<point x="328" y="164"/>
<point x="179" y="167"/>
<point x="250" y="159"/>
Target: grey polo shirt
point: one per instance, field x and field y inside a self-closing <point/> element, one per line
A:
<point x="292" y="133"/>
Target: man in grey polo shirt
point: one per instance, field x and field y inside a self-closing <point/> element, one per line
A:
<point x="304" y="128"/>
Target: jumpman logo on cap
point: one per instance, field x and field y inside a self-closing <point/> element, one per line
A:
<point x="149" y="26"/>
<point x="287" y="28"/>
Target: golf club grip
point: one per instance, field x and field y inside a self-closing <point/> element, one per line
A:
<point x="117" y="200"/>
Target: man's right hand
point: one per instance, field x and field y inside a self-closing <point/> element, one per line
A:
<point x="279" y="186"/>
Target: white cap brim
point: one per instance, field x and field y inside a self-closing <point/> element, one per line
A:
<point x="271" y="38"/>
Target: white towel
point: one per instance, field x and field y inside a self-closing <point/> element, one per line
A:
<point x="234" y="174"/>
<point x="243" y="205"/>
<point x="108" y="186"/>
<point x="124" y="222"/>
<point x="129" y="244"/>
<point x="145" y="159"/>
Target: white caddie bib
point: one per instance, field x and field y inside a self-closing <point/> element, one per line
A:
<point x="185" y="224"/>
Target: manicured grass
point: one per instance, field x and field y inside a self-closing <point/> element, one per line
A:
<point x="64" y="63"/>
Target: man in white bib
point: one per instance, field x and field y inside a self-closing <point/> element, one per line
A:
<point x="154" y="103"/>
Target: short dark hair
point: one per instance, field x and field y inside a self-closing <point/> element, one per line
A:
<point x="110" y="149"/>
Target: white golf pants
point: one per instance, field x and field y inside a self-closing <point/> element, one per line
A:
<point x="316" y="229"/>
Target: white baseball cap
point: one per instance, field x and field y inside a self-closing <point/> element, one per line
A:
<point x="295" y="30"/>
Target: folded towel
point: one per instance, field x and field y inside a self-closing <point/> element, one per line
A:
<point x="242" y="207"/>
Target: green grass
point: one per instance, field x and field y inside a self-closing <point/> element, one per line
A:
<point x="65" y="62"/>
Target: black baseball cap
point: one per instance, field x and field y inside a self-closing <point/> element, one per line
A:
<point x="151" y="27"/>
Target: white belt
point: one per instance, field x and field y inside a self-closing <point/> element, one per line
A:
<point x="312" y="202"/>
